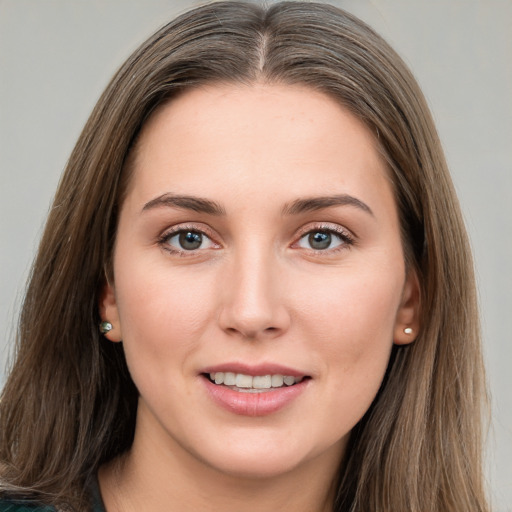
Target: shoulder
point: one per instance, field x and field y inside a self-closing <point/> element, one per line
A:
<point x="16" y="506"/>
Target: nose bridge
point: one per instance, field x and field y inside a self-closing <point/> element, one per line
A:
<point x="253" y="303"/>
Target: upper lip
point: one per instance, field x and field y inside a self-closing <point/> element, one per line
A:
<point x="254" y="369"/>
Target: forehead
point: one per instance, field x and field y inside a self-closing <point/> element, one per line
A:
<point x="252" y="139"/>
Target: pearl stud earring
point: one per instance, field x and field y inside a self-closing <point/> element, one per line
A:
<point x="105" y="327"/>
<point x="408" y="330"/>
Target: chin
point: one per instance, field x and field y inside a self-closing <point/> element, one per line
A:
<point x="264" y="458"/>
<point x="258" y="467"/>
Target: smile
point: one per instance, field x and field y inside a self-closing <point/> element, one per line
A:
<point x="254" y="390"/>
<point x="253" y="384"/>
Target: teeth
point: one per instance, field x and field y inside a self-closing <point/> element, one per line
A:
<point x="240" y="380"/>
<point x="229" y="379"/>
<point x="264" y="382"/>
<point x="289" y="380"/>
<point x="243" y="381"/>
<point x="277" y="381"/>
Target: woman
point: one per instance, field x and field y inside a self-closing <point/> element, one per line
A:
<point x="259" y="218"/>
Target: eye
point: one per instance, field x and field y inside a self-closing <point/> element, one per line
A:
<point x="323" y="240"/>
<point x="186" y="240"/>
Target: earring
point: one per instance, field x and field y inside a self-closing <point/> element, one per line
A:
<point x="105" y="327"/>
<point x="408" y="330"/>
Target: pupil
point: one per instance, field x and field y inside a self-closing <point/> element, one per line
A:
<point x="320" y="240"/>
<point x="190" y="240"/>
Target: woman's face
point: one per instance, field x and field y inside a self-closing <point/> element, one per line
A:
<point x="258" y="246"/>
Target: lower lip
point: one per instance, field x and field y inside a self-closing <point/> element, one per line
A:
<point x="254" y="404"/>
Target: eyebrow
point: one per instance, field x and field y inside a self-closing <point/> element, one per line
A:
<point x="202" y="205"/>
<point x="196" y="204"/>
<point x="309" y="204"/>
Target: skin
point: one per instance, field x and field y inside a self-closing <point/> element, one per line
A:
<point x="255" y="292"/>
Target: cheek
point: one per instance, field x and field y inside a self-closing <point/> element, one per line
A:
<point x="161" y="312"/>
<point x="357" y="307"/>
<point x="350" y="333"/>
<point x="350" y="325"/>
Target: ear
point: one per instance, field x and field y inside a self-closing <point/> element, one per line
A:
<point x="407" y="322"/>
<point x="109" y="312"/>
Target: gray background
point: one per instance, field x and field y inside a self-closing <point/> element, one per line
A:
<point x="56" y="57"/>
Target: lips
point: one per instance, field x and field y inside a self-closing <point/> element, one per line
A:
<point x="254" y="390"/>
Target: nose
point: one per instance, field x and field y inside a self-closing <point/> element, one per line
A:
<point x="254" y="298"/>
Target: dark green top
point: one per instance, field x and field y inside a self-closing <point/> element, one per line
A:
<point x="12" y="506"/>
<point x="7" y="505"/>
<point x="16" y="506"/>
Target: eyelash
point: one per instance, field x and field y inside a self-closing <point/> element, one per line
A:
<point x="342" y="234"/>
<point x="163" y="240"/>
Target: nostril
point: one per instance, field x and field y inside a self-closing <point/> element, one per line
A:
<point x="252" y="333"/>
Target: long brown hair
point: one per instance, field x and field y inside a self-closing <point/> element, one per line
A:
<point x="69" y="404"/>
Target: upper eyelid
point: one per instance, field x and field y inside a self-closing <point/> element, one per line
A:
<point x="324" y="226"/>
<point x="200" y="228"/>
<point x="347" y="237"/>
<point x="173" y="231"/>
